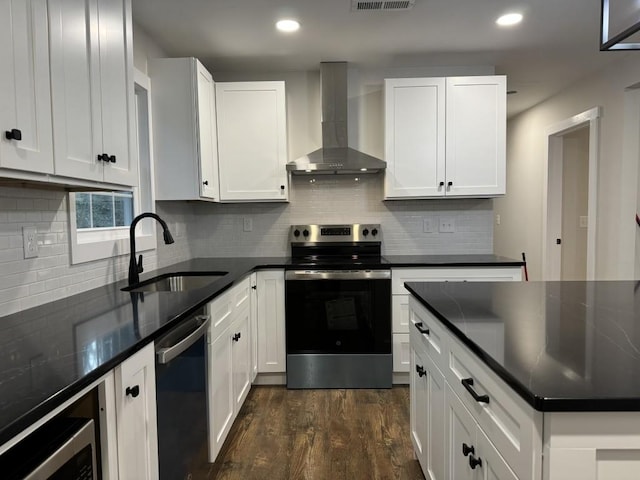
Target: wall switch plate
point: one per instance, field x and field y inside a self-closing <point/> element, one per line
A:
<point x="498" y="219"/>
<point x="247" y="224"/>
<point x="447" y="225"/>
<point x="428" y="225"/>
<point x="30" y="242"/>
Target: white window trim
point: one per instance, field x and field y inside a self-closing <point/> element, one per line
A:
<point x="115" y="241"/>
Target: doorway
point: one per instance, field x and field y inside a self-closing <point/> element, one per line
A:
<point x="569" y="231"/>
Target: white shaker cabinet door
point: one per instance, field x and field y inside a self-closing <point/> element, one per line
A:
<point x="271" y="322"/>
<point x="476" y="136"/>
<point x="26" y="141"/>
<point x="414" y="137"/>
<point x="135" y="390"/>
<point x="252" y="141"/>
<point x="117" y="95"/>
<point x="207" y="140"/>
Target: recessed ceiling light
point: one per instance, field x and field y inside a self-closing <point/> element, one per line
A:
<point x="288" y="25"/>
<point x="509" y="19"/>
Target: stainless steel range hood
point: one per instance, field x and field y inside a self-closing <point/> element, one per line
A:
<point x="335" y="156"/>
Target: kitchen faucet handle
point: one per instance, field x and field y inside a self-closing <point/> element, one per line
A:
<point x="139" y="265"/>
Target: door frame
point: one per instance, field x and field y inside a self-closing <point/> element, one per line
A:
<point x="552" y="190"/>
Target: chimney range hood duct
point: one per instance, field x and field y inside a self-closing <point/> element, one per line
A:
<point x="335" y="156"/>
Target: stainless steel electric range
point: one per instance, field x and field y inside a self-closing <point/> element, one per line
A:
<point x="338" y="308"/>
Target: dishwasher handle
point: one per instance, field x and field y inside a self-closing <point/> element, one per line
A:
<point x="178" y="342"/>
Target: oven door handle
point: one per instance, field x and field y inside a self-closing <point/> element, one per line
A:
<point x="164" y="354"/>
<point x="337" y="275"/>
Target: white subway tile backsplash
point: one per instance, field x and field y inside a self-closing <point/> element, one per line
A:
<point x="206" y="229"/>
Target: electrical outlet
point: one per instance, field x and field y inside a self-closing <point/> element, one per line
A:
<point x="247" y="224"/>
<point x="498" y="219"/>
<point x="447" y="225"/>
<point x="584" y="221"/>
<point x="30" y="242"/>
<point x="427" y="225"/>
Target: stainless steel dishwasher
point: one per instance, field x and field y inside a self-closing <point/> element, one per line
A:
<point x="181" y="395"/>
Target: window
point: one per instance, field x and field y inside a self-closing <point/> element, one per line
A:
<point x="99" y="220"/>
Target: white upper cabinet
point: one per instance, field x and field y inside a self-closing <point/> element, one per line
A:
<point x="445" y="137"/>
<point x="414" y="137"/>
<point x="92" y="90"/>
<point x="252" y="141"/>
<point x="476" y="136"/>
<point x="25" y="104"/>
<point x="184" y="123"/>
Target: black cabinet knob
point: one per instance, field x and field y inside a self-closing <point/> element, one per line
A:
<point x="13" y="134"/>
<point x="466" y="449"/>
<point x="206" y="182"/>
<point x="236" y="337"/>
<point x="112" y="158"/>
<point x="254" y="287"/>
<point x="133" y="391"/>
<point x="441" y="184"/>
<point x="365" y="232"/>
<point x="474" y="462"/>
<point x="421" y="371"/>
<point x="449" y="184"/>
<point x="281" y="187"/>
<point x="103" y="157"/>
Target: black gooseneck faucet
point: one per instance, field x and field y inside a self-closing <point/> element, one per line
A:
<point x="135" y="268"/>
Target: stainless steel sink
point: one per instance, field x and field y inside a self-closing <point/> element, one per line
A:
<point x="178" y="282"/>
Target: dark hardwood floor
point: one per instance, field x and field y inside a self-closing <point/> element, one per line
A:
<point x="318" y="435"/>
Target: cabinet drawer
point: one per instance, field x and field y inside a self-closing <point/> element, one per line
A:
<point x="425" y="330"/>
<point x="400" y="313"/>
<point x="222" y="307"/>
<point x="451" y="274"/>
<point x="401" y="353"/>
<point x="510" y="424"/>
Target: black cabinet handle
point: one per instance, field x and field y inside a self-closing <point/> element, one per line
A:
<point x="254" y="287"/>
<point x="468" y="384"/>
<point x="236" y="337"/>
<point x="421" y="371"/>
<point x="103" y="157"/>
<point x="206" y="182"/>
<point x="466" y="449"/>
<point x="421" y="328"/>
<point x="449" y="184"/>
<point x="474" y="462"/>
<point x="133" y="391"/>
<point x="13" y="134"/>
<point x="281" y="187"/>
<point x="111" y="158"/>
<point x="441" y="184"/>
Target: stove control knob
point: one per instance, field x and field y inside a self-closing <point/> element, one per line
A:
<point x="365" y="232"/>
<point x="296" y="233"/>
<point x="305" y="232"/>
<point x="374" y="232"/>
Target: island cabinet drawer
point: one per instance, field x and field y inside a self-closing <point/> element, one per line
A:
<point x="222" y="307"/>
<point x="427" y="331"/>
<point x="451" y="274"/>
<point x="512" y="425"/>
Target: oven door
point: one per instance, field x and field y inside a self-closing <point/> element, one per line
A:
<point x="338" y="324"/>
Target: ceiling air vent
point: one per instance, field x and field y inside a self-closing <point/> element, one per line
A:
<point x="363" y="5"/>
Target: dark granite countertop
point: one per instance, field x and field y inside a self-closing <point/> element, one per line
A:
<point x="51" y="352"/>
<point x="562" y="346"/>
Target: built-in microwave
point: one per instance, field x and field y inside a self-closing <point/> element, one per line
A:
<point x="62" y="449"/>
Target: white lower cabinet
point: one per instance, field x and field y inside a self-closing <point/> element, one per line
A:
<point x="400" y="297"/>
<point x="135" y="405"/>
<point x="469" y="453"/>
<point x="229" y="360"/>
<point x="427" y="413"/>
<point x="271" y="334"/>
<point x="454" y="435"/>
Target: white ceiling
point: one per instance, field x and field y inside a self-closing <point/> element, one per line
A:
<point x="555" y="45"/>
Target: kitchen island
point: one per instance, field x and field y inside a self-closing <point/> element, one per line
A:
<point x="536" y="380"/>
